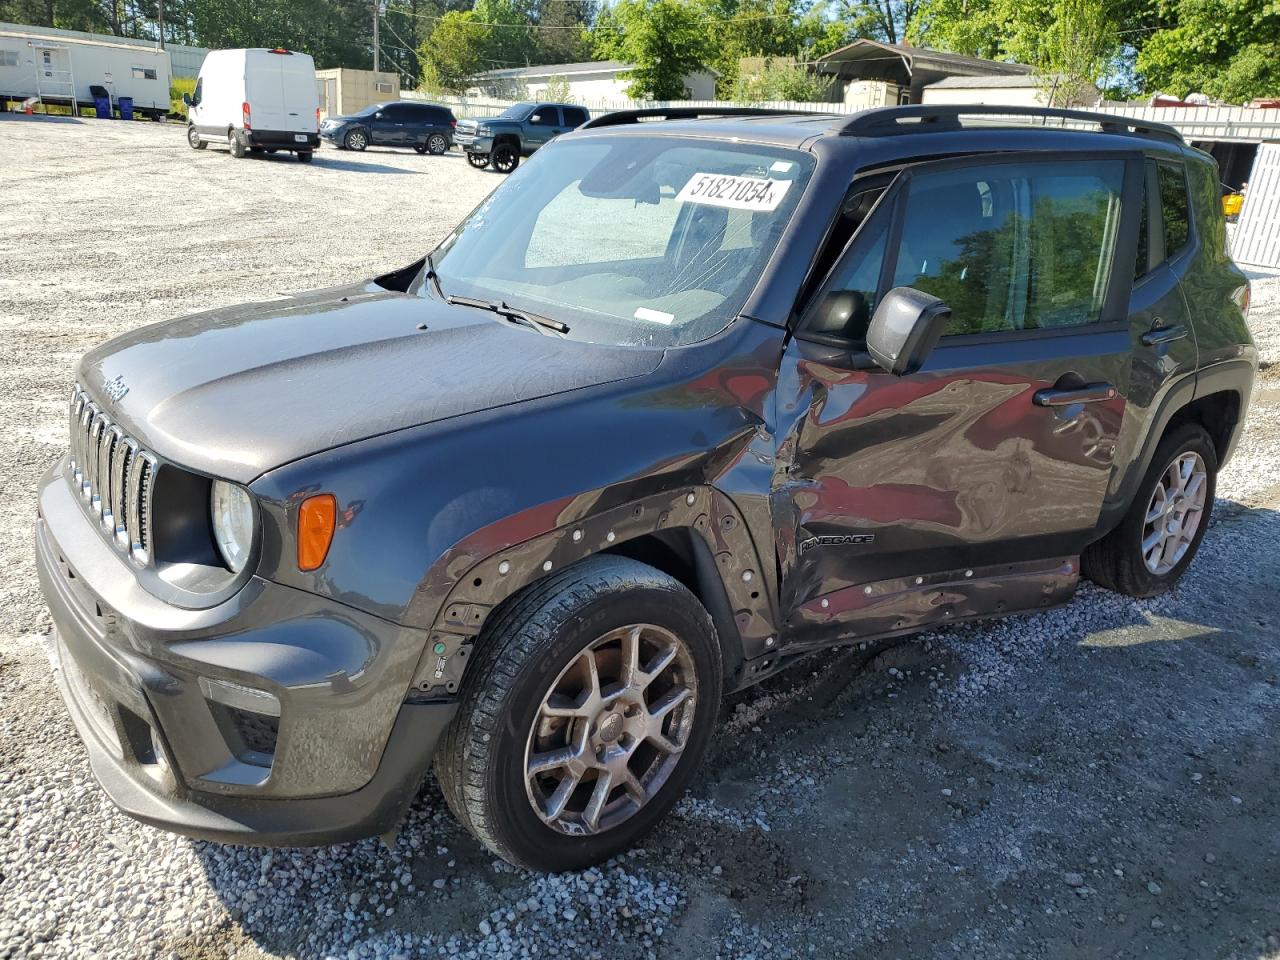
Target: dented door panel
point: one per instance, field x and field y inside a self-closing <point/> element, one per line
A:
<point x="951" y="469"/>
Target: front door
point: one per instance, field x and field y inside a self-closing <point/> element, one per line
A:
<point x="544" y="124"/>
<point x="387" y="128"/>
<point x="972" y="486"/>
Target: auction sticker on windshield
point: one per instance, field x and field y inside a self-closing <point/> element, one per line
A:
<point x="739" y="193"/>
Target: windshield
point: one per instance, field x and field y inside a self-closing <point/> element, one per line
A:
<point x="629" y="240"/>
<point x="517" y="111"/>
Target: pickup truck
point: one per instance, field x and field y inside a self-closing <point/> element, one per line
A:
<point x="517" y="132"/>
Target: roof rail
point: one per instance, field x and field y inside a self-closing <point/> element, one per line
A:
<point x="930" y="118"/>
<point x="620" y="117"/>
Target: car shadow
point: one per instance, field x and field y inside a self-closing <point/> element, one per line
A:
<point x="327" y="162"/>
<point x="1089" y="781"/>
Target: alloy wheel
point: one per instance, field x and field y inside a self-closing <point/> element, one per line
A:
<point x="356" y="140"/>
<point x="610" y="730"/>
<point x="437" y="144"/>
<point x="1175" y="513"/>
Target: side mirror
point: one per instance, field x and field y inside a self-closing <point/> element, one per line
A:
<point x="186" y="98"/>
<point x="536" y="118"/>
<point x="378" y="115"/>
<point x="905" y="328"/>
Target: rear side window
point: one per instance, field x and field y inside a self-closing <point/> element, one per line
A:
<point x="574" y="116"/>
<point x="1172" y="180"/>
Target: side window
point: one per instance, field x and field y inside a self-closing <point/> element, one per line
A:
<point x="397" y="113"/>
<point x="1142" y="257"/>
<point x="8" y="58"/>
<point x="199" y="92"/>
<point x="545" y="116"/>
<point x="143" y="73"/>
<point x="844" y="306"/>
<point x="1172" y="180"/>
<point x="1012" y="246"/>
<point x="574" y="116"/>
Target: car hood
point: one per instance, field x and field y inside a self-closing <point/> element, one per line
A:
<point x="237" y="391"/>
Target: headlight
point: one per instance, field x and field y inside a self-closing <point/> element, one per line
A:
<point x="232" y="511"/>
<point x="484" y="130"/>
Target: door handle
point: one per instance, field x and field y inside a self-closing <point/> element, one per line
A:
<point x="1089" y="393"/>
<point x="1158" y="335"/>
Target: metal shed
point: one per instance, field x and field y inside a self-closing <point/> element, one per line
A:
<point x="1257" y="238"/>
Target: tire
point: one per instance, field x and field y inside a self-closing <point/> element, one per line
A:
<point x="236" y="144"/>
<point x="304" y="156"/>
<point x="258" y="150"/>
<point x="420" y="148"/>
<point x="437" y="145"/>
<point x="539" y="641"/>
<point x="1118" y="561"/>
<point x="355" y="140"/>
<point x="193" y="138"/>
<point x="505" y="157"/>
<point x="478" y="160"/>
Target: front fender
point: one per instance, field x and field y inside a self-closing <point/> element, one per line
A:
<point x="420" y="508"/>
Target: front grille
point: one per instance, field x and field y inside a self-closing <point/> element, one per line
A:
<point x="113" y="477"/>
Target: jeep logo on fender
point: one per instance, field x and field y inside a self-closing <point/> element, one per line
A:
<point x="836" y="541"/>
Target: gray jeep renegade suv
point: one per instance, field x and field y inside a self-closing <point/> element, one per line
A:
<point x="679" y="403"/>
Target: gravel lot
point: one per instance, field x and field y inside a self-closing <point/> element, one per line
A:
<point x="1094" y="781"/>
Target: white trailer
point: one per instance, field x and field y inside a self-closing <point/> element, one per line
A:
<point x="62" y="70"/>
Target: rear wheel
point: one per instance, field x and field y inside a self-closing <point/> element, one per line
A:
<point x="258" y="150"/>
<point x="437" y="144"/>
<point x="478" y="160"/>
<point x="236" y="144"/>
<point x="304" y="156"/>
<point x="193" y="138"/>
<point x="505" y="157"/>
<point x="1157" y="539"/>
<point x="355" y="140"/>
<point x="588" y="706"/>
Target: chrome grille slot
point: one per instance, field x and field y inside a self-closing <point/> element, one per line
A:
<point x="113" y="475"/>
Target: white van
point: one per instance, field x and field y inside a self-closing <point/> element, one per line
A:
<point x="255" y="101"/>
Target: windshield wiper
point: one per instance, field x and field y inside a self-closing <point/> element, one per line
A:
<point x="434" y="277"/>
<point x="544" y="325"/>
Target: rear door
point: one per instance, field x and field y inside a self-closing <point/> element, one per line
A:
<point x="299" y="93"/>
<point x="971" y="486"/>
<point x="263" y="91"/>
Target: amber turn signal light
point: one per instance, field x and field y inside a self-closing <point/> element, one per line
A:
<point x="317" y="517"/>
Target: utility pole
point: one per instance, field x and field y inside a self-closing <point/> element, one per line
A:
<point x="160" y="18"/>
<point x="376" y="44"/>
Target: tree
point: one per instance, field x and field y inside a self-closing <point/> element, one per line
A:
<point x="557" y="90"/>
<point x="455" y="51"/>
<point x="561" y="31"/>
<point x="666" y="40"/>
<point x="1074" y="53"/>
<point x="781" y="81"/>
<point x="1228" y="49"/>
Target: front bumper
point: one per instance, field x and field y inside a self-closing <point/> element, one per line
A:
<point x="161" y="697"/>
<point x="474" y="144"/>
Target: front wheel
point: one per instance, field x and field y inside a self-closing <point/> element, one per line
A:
<point x="587" y="709"/>
<point x="505" y="158"/>
<point x="356" y="140"/>
<point x="194" y="139"/>
<point x="478" y="160"/>
<point x="1157" y="539"/>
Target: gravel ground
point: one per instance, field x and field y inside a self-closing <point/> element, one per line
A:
<point x="1094" y="781"/>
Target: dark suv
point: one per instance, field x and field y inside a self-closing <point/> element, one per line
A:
<point x="517" y="132"/>
<point x="426" y="127"/>
<point x="719" y="393"/>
